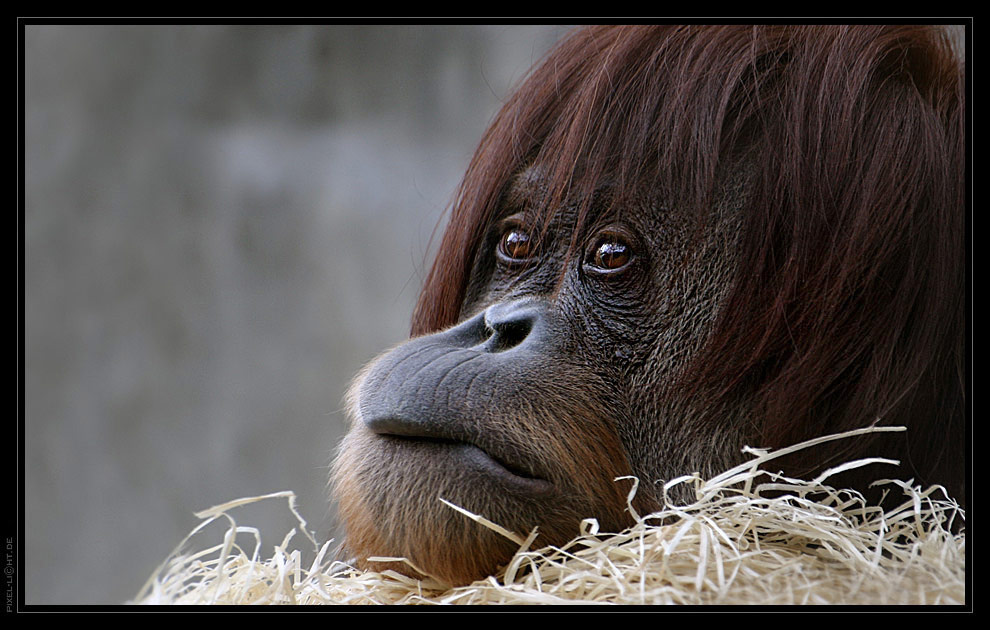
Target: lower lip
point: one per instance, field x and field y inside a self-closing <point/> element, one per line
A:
<point x="475" y="458"/>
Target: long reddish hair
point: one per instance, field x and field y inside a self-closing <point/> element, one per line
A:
<point x="849" y="302"/>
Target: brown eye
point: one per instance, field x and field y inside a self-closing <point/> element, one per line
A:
<point x="611" y="253"/>
<point x="516" y="244"/>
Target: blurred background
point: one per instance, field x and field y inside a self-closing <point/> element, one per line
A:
<point x="222" y="224"/>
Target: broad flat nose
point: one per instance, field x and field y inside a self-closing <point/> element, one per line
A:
<point x="421" y="387"/>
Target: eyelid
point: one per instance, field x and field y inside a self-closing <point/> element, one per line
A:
<point x="517" y="219"/>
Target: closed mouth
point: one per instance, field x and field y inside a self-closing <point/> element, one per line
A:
<point x="477" y="458"/>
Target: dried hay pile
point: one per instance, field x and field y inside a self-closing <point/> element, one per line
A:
<point x="733" y="545"/>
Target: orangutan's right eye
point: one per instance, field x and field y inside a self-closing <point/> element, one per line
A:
<point x="516" y="245"/>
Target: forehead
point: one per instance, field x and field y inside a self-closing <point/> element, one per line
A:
<point x="544" y="200"/>
<point x="527" y="187"/>
<point x="644" y="205"/>
<point x="654" y="205"/>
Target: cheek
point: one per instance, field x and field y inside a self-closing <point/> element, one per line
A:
<point x="671" y="428"/>
<point x="614" y="329"/>
<point x="686" y="308"/>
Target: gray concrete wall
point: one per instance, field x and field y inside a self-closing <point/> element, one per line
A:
<point x="222" y="224"/>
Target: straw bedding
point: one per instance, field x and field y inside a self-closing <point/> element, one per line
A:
<point x="750" y="537"/>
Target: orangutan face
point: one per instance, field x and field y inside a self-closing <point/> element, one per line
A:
<point x="555" y="382"/>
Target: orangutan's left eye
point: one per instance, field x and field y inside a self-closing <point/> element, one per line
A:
<point x="610" y="253"/>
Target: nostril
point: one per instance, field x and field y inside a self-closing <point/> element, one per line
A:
<point x="509" y="325"/>
<point x="509" y="334"/>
